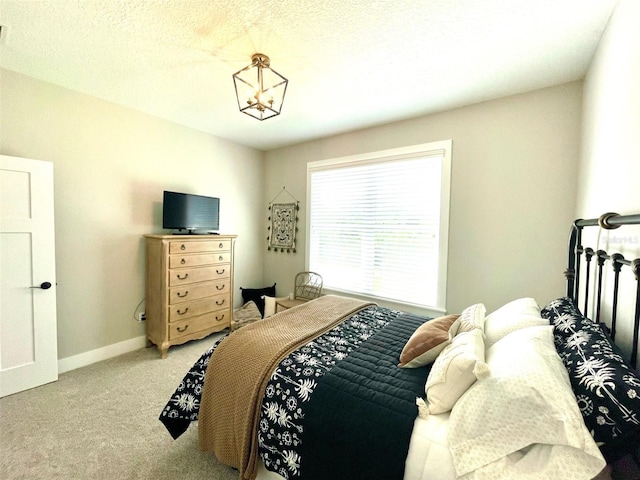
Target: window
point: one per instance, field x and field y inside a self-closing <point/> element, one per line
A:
<point x="378" y="223"/>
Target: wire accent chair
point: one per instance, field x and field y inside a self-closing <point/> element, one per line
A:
<point x="307" y="286"/>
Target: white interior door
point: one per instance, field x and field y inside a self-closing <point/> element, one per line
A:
<point x="28" y="338"/>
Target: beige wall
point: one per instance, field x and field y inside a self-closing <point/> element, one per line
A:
<point x="111" y="166"/>
<point x="513" y="191"/>
<point x="610" y="161"/>
<point x="609" y="179"/>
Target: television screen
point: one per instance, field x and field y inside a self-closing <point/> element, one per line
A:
<point x="184" y="211"/>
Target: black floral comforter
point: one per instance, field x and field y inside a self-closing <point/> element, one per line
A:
<point x="366" y="348"/>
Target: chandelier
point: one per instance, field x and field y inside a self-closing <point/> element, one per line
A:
<point x="259" y="89"/>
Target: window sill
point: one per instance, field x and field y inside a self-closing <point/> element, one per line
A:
<point x="422" y="310"/>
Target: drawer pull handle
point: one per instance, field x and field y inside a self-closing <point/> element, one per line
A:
<point x="218" y="302"/>
<point x="220" y="272"/>
<point x="182" y="313"/>
<point x="182" y="329"/>
<point x="219" y="318"/>
<point x="220" y="287"/>
<point x="183" y="261"/>
<point x="183" y="247"/>
<point x="221" y="245"/>
<point x="182" y="295"/>
<point x="186" y="275"/>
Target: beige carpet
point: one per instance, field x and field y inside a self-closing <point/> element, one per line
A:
<point x="101" y="422"/>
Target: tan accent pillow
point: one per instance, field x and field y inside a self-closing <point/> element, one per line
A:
<point x="427" y="342"/>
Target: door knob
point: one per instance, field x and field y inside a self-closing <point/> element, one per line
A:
<point x="43" y="286"/>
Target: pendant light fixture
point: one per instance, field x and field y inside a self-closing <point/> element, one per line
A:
<point x="260" y="90"/>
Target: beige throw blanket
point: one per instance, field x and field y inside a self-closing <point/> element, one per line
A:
<point x="240" y="368"/>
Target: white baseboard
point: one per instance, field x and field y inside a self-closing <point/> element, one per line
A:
<point x="104" y="353"/>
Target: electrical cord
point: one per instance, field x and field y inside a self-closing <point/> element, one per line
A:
<point x="135" y="312"/>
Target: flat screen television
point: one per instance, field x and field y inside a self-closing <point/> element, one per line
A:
<point x="190" y="214"/>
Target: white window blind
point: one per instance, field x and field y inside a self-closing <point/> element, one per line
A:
<point x="375" y="224"/>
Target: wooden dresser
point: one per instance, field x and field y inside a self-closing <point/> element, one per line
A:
<point x="189" y="287"/>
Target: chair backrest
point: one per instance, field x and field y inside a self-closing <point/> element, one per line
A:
<point x="308" y="285"/>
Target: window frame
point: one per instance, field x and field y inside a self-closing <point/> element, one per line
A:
<point x="441" y="148"/>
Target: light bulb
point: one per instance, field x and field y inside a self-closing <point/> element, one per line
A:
<point x="250" y="96"/>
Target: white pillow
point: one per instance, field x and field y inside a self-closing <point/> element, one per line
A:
<point x="270" y="305"/>
<point x="472" y="317"/>
<point x="512" y="316"/>
<point x="454" y="371"/>
<point x="522" y="421"/>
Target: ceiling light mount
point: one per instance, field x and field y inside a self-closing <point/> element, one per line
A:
<point x="260" y="59"/>
<point x="260" y="90"/>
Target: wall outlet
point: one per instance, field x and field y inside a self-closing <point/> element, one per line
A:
<point x="141" y="316"/>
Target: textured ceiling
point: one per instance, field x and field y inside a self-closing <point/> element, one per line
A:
<point x="350" y="63"/>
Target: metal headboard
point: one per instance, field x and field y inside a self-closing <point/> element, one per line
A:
<point x="608" y="221"/>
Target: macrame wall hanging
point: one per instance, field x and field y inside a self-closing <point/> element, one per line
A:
<point x="282" y="224"/>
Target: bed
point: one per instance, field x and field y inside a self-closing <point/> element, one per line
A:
<point x="317" y="391"/>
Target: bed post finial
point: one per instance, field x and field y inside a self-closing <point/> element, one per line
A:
<point x="603" y="221"/>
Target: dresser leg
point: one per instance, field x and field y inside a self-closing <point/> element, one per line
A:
<point x="149" y="343"/>
<point x="163" y="350"/>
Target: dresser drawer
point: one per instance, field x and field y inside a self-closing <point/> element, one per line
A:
<point x="199" y="246"/>
<point x="184" y="310"/>
<point x="181" y="261"/>
<point x="183" y="276"/>
<point x="201" y="322"/>
<point x="198" y="290"/>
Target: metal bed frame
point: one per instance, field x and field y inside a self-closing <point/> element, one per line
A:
<point x="607" y="221"/>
